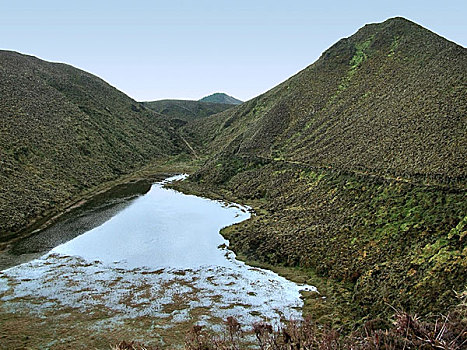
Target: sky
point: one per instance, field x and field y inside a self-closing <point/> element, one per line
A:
<point x="183" y="49"/>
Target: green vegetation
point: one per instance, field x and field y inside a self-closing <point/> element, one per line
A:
<point x="356" y="169"/>
<point x="65" y="132"/>
<point x="182" y="111"/>
<point x="359" y="57"/>
<point x="220" y="97"/>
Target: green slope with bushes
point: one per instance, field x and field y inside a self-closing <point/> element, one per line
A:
<point x="64" y="131"/>
<point x="388" y="100"/>
<point x="356" y="167"/>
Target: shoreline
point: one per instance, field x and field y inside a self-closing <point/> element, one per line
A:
<point x="322" y="305"/>
<point x="149" y="174"/>
<point x="330" y="305"/>
<point x="179" y="321"/>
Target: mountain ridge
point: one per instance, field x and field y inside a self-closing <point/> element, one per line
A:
<point x="185" y="110"/>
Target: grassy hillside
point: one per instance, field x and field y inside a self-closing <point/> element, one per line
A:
<point x="64" y="131"/>
<point x="220" y="97"/>
<point x="389" y="99"/>
<point x="183" y="111"/>
<point x="356" y="167"/>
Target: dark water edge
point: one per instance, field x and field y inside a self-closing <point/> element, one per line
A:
<point x="91" y="214"/>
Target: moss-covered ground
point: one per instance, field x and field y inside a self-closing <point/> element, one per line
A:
<point x="370" y="244"/>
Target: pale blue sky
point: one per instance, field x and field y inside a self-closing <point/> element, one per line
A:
<point x="188" y="49"/>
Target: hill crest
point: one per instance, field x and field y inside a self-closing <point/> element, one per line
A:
<point x="186" y="110"/>
<point x="220" y="97"/>
<point x="389" y="99"/>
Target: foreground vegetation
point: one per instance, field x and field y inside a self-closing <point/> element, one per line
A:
<point x="403" y="332"/>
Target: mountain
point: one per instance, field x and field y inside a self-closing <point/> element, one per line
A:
<point x="390" y="99"/>
<point x="220" y="97"/>
<point x="356" y="169"/>
<point x="186" y="110"/>
<point x="63" y="132"/>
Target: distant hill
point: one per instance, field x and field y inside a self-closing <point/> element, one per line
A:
<point x="181" y="112"/>
<point x="64" y="131"/>
<point x="220" y="97"/>
<point x="357" y="170"/>
<point x="186" y="110"/>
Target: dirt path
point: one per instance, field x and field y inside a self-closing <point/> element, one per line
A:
<point x="189" y="146"/>
<point x="369" y="174"/>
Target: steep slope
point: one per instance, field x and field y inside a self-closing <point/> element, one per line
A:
<point x="64" y="131"/>
<point x="390" y="99"/>
<point x="220" y="97"/>
<point x="186" y="110"/>
<point x="356" y="167"/>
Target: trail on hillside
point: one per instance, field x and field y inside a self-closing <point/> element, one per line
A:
<point x="189" y="146"/>
<point x="366" y="173"/>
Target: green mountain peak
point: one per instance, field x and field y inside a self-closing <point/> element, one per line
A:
<point x="220" y="97"/>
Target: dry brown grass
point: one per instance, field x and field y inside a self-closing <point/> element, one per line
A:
<point x="132" y="346"/>
<point x="406" y="332"/>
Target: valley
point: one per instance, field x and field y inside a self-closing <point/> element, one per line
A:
<point x="156" y="259"/>
<point x="355" y="170"/>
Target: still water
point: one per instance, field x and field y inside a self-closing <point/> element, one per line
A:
<point x="161" y="257"/>
<point x="164" y="228"/>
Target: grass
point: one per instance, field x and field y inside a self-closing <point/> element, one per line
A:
<point x="65" y="132"/>
<point x="405" y="332"/>
<point x="365" y="241"/>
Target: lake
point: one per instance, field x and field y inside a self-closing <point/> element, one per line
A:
<point x="159" y="263"/>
